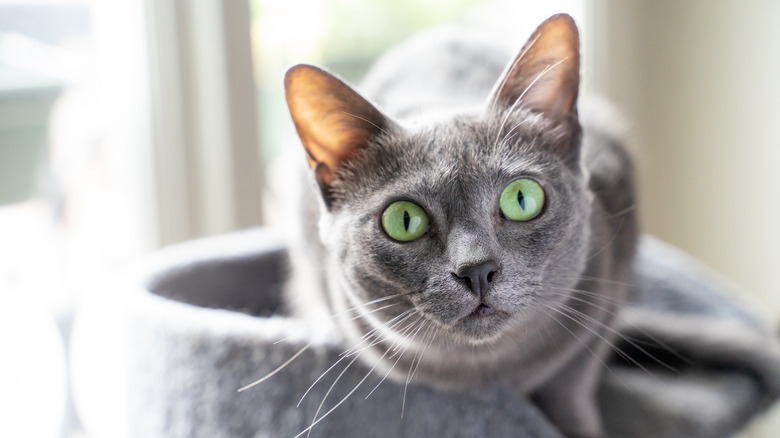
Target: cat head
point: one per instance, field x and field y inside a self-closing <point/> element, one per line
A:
<point x="468" y="220"/>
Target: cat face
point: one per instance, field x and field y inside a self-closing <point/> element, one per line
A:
<point x="472" y="270"/>
<point x="466" y="221"/>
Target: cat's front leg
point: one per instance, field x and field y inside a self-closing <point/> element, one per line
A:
<point x="569" y="398"/>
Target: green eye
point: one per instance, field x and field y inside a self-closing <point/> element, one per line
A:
<point x="522" y="200"/>
<point x="404" y="221"/>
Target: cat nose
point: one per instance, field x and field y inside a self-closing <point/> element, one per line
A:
<point x="478" y="277"/>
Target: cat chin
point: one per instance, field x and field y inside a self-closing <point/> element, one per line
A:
<point x="481" y="329"/>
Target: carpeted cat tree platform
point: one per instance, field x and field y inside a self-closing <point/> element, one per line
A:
<point x="200" y="320"/>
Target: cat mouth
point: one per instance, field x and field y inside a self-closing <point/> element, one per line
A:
<point x="482" y="311"/>
<point x="483" y="323"/>
<point x="486" y="312"/>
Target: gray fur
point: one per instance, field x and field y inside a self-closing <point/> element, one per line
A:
<point x="184" y="353"/>
<point x="553" y="333"/>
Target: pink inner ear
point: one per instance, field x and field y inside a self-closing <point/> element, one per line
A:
<point x="545" y="75"/>
<point x="333" y="121"/>
<point x="551" y="92"/>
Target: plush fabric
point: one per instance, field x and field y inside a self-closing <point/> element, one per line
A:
<point x="201" y="322"/>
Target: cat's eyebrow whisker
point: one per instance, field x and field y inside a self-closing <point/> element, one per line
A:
<point x="367" y="121"/>
<point x="541" y="74"/>
<point x="384" y="131"/>
<point x="281" y="367"/>
<point x="519" y="58"/>
<point x="509" y="137"/>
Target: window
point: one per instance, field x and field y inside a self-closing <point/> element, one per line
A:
<point x="74" y="180"/>
<point x="346" y="36"/>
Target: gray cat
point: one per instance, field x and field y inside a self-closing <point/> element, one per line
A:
<point x="468" y="246"/>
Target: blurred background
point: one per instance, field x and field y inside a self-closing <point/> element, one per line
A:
<point x="129" y="125"/>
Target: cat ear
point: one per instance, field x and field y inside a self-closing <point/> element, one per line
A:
<point x="545" y="76"/>
<point x="333" y="121"/>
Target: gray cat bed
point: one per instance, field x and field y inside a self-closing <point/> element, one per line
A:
<point x="203" y="319"/>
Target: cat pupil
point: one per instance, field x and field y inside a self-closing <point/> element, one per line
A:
<point x="521" y="199"/>
<point x="407" y="219"/>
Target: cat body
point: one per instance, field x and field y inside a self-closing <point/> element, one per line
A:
<point x="477" y="299"/>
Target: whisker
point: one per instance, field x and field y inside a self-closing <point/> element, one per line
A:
<point x="425" y="346"/>
<point x="625" y="338"/>
<point x="617" y="314"/>
<point x="600" y="336"/>
<point x="406" y="386"/>
<point x="609" y="242"/>
<point x="319" y="408"/>
<point x="601" y="280"/>
<point x="416" y="353"/>
<point x="352" y="352"/>
<point x="510" y="135"/>
<point x="367" y="121"/>
<point x="587" y="293"/>
<point x="374" y="331"/>
<point x="391" y="323"/>
<point x="519" y="58"/>
<point x="282" y="340"/>
<point x="373" y="311"/>
<point x="626" y="210"/>
<point x="607" y="310"/>
<point x="281" y="367"/>
<point x="318" y="379"/>
<point x="317" y="420"/>
<point x="587" y="347"/>
<point x="333" y="316"/>
<point x="520" y="98"/>
<point x="396" y="361"/>
<point x="384" y="131"/>
<point x="368" y="303"/>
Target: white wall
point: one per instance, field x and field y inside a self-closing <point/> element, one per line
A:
<point x="700" y="83"/>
